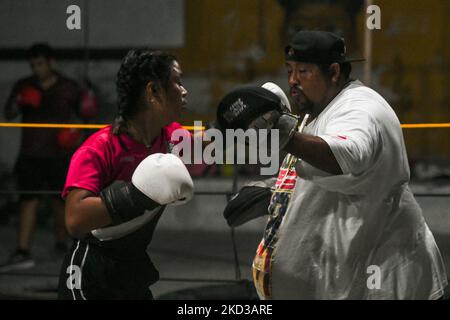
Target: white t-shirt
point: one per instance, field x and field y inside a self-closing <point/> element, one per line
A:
<point x="359" y="235"/>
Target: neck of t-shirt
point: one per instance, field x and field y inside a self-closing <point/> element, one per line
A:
<point x="137" y="146"/>
<point x="338" y="93"/>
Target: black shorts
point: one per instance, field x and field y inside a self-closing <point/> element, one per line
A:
<point x="89" y="272"/>
<point x="37" y="174"/>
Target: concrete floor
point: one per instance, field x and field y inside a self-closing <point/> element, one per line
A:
<point x="205" y="258"/>
<point x="192" y="248"/>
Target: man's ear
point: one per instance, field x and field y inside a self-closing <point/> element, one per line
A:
<point x="335" y="72"/>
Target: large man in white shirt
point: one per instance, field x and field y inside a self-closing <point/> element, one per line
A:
<point x="343" y="223"/>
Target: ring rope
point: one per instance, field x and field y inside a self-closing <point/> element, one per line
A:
<point x="190" y="128"/>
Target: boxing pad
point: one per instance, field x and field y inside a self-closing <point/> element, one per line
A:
<point x="160" y="179"/>
<point x="251" y="202"/>
<point x="239" y="108"/>
<point x="251" y="107"/>
<point x="29" y="96"/>
<point x="272" y="87"/>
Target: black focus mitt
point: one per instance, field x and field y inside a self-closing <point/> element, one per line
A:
<point x="251" y="202"/>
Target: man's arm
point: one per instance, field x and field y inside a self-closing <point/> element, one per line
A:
<point x="262" y="111"/>
<point x="315" y="151"/>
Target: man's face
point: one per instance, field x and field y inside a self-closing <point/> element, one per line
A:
<point x="309" y="88"/>
<point x="41" y="67"/>
<point x="175" y="94"/>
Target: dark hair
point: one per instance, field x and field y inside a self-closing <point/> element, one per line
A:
<point x="137" y="69"/>
<point x="346" y="69"/>
<point x="40" y="50"/>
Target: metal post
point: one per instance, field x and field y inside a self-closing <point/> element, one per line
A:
<point x="367" y="50"/>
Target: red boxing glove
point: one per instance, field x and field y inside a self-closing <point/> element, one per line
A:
<point x="69" y="138"/>
<point x="29" y="97"/>
<point x="89" y="107"/>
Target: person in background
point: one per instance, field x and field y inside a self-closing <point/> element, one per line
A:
<point x="46" y="96"/>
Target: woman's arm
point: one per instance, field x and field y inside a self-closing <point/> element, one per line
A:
<point x="85" y="212"/>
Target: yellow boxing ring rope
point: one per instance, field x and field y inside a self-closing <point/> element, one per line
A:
<point x="190" y="128"/>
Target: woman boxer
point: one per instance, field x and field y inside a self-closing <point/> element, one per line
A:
<point x="119" y="182"/>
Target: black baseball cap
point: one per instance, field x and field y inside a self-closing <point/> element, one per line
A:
<point x="320" y="47"/>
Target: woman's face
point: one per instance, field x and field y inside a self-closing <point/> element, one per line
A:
<point x="175" y="94"/>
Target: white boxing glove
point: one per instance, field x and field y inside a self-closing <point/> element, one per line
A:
<point x="160" y="179"/>
<point x="164" y="178"/>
